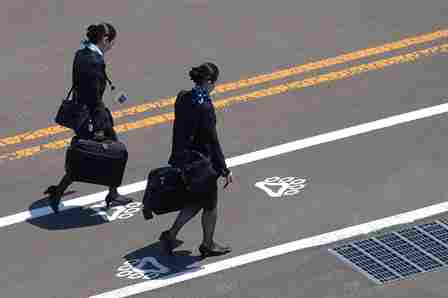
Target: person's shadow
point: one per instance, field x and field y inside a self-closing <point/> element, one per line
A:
<point x="77" y="217"/>
<point x="155" y="264"/>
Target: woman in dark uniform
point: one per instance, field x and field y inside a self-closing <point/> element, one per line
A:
<point x="195" y="128"/>
<point x="89" y="82"/>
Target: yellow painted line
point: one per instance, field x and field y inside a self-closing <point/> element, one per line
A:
<point x="231" y="86"/>
<point x="333" y="61"/>
<point x="219" y="104"/>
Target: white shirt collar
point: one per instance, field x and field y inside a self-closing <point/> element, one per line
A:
<point x="92" y="47"/>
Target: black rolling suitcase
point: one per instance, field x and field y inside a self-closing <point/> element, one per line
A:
<point x="95" y="162"/>
<point x="165" y="192"/>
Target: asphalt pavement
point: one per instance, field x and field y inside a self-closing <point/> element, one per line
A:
<point x="307" y="192"/>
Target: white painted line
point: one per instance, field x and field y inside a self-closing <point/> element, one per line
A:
<point x="245" y="159"/>
<point x="278" y="250"/>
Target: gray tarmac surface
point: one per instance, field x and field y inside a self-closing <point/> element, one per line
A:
<point x="350" y="181"/>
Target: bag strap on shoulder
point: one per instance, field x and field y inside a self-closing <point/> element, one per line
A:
<point x="69" y="93"/>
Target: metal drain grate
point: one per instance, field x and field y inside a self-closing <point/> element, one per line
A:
<point x="426" y="243"/>
<point x="409" y="252"/>
<point x="438" y="230"/>
<point x="400" y="254"/>
<point x="388" y="258"/>
<point x="365" y="264"/>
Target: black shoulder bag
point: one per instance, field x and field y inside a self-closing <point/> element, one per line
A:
<point x="71" y="113"/>
<point x="197" y="172"/>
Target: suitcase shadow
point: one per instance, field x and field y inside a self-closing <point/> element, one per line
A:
<point x="67" y="219"/>
<point x="152" y="261"/>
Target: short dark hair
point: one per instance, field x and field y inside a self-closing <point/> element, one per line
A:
<point x="204" y="72"/>
<point x="96" y="32"/>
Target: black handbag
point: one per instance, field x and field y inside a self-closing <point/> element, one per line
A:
<point x="164" y="193"/>
<point x="197" y="172"/>
<point x="101" y="163"/>
<point x="72" y="114"/>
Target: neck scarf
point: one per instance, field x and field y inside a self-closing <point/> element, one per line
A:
<point x="200" y="95"/>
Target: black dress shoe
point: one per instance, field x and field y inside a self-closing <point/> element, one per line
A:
<point x="54" y="199"/>
<point x="214" y="250"/>
<point x="117" y="200"/>
<point x="168" y="243"/>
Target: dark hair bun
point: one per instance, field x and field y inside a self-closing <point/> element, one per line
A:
<point x="196" y="75"/>
<point x="205" y="72"/>
<point x="91" y="28"/>
<point x="96" y="32"/>
<point x="93" y="33"/>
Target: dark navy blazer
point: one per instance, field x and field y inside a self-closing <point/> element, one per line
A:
<point x="89" y="81"/>
<point x="195" y="128"/>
